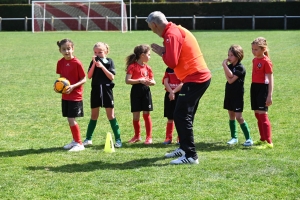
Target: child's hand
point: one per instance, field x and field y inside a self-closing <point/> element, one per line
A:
<point x="269" y="101"/>
<point x="142" y="81"/>
<point x="99" y="64"/>
<point x="171" y="96"/>
<point x="145" y="81"/>
<point x="148" y="82"/>
<point x="69" y="89"/>
<point x="94" y="58"/>
<point x="225" y="62"/>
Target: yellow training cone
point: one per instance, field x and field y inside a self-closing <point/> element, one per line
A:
<point x="109" y="144"/>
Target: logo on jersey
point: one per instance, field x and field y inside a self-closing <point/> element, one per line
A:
<point x="167" y="40"/>
<point x="145" y="74"/>
<point x="259" y="65"/>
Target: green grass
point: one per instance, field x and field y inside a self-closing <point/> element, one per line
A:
<point x="33" y="164"/>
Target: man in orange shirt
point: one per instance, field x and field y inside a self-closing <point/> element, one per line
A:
<point x="181" y="52"/>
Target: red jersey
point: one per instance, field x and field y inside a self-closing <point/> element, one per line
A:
<point x="261" y="67"/>
<point x="138" y="71"/>
<point x="173" y="80"/>
<point x="73" y="71"/>
<point x="183" y="54"/>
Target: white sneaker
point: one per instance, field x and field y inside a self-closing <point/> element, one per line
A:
<point x="77" y="147"/>
<point x="184" y="160"/>
<point x="69" y="146"/>
<point x="87" y="142"/>
<point x="232" y="141"/>
<point x="118" y="143"/>
<point x="248" y="143"/>
<point x="176" y="153"/>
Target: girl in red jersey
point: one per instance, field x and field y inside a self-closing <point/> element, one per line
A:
<point x="172" y="86"/>
<point x="140" y="76"/>
<point x="72" y="106"/>
<point x="262" y="90"/>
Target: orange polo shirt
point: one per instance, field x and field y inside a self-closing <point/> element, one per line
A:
<point x="183" y="54"/>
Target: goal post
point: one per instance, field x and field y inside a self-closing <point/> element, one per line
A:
<point x="79" y="15"/>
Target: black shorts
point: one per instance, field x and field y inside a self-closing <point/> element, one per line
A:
<point x="102" y="96"/>
<point x="169" y="106"/>
<point x="140" y="98"/>
<point x="72" y="109"/>
<point x="234" y="104"/>
<point x="259" y="94"/>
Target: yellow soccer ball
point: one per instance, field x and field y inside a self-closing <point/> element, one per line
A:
<point x="61" y="85"/>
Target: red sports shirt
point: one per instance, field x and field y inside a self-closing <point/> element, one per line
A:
<point x="173" y="80"/>
<point x="73" y="71"/>
<point x="138" y="71"/>
<point x="261" y="67"/>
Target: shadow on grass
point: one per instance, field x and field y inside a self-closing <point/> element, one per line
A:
<point x="100" y="165"/>
<point x="217" y="146"/>
<point x="24" y="152"/>
<point x="132" y="164"/>
<point x="138" y="145"/>
<point x="200" y="146"/>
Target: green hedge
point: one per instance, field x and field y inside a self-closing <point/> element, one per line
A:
<point x="227" y="9"/>
<point x="188" y="9"/>
<point x="13" y="1"/>
<point x="15" y="11"/>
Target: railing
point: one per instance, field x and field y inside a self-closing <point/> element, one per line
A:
<point x="193" y="18"/>
<point x="15" y="19"/>
<point x="285" y="17"/>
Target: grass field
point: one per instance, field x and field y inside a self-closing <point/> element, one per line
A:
<point x="33" y="164"/>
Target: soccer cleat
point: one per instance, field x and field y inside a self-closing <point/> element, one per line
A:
<point x="184" y="160"/>
<point x="232" y="141"/>
<point x="118" y="143"/>
<point x="167" y="141"/>
<point x="248" y="143"/>
<point x="266" y="145"/>
<point x="69" y="146"/>
<point x="176" y="153"/>
<point x="135" y="139"/>
<point x="77" y="147"/>
<point x="87" y="142"/>
<point x="148" y="141"/>
<point x="259" y="142"/>
<point x="270" y="145"/>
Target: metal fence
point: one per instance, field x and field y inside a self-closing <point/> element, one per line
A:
<point x="193" y="18"/>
